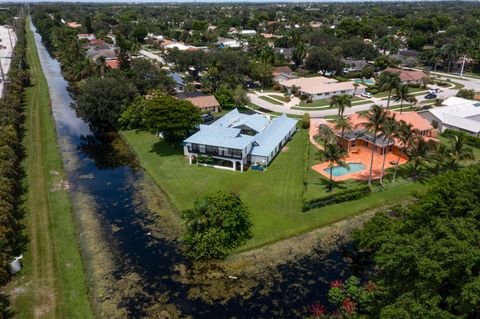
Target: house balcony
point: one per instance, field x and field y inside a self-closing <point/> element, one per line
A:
<point x="226" y="154"/>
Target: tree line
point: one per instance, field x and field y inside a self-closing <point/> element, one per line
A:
<point x="11" y="153"/>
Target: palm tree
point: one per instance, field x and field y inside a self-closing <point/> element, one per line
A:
<point x="387" y="82"/>
<point x="341" y="102"/>
<point x="458" y="150"/>
<point x="418" y="153"/>
<point x="375" y="118"/>
<point x="441" y="157"/>
<point x="404" y="134"/>
<point x="325" y="135"/>
<point x="388" y="129"/>
<point x="334" y="154"/>
<point x="343" y="124"/>
<point x="101" y="67"/>
<point x="403" y="94"/>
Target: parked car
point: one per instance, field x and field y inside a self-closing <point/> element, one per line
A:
<point x="430" y="96"/>
<point x="207" y="117"/>
<point x="367" y="95"/>
<point x="433" y="91"/>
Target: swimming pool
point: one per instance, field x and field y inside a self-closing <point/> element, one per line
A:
<point x="366" y="81"/>
<point x="340" y="171"/>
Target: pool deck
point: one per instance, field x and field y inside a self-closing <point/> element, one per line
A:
<point x="362" y="155"/>
<point x="356" y="155"/>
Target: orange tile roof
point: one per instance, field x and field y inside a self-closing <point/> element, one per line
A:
<point x="407" y="75"/>
<point x="113" y="64"/>
<point x="412" y="118"/>
<point x="74" y="25"/>
<point x="204" y="102"/>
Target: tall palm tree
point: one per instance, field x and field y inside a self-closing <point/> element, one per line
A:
<point x="404" y="134"/>
<point x="403" y="94"/>
<point x="101" y="67"/>
<point x="388" y="129"/>
<point x="388" y="82"/>
<point x="334" y="154"/>
<point x="341" y="102"/>
<point x="343" y="124"/>
<point x="458" y="150"/>
<point x="441" y="157"/>
<point x="325" y="135"/>
<point x="418" y="153"/>
<point x="375" y="118"/>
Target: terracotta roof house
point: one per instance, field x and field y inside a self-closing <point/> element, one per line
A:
<point x="113" y="64"/>
<point x="206" y="103"/>
<point x="86" y="36"/>
<point x="408" y="76"/>
<point x="320" y="87"/>
<point x="74" y="25"/>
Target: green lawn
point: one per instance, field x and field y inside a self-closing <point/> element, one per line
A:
<point x="274" y="197"/>
<point x="270" y="100"/>
<point x="277" y="97"/>
<point x="413" y="90"/>
<point x="53" y="278"/>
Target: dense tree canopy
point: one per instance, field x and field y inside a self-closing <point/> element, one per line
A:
<point x="101" y="101"/>
<point x="428" y="255"/>
<point x="171" y="117"/>
<point x="217" y="224"/>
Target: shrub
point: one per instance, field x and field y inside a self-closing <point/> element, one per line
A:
<point x="304" y="97"/>
<point x="204" y="159"/>
<point x="466" y="94"/>
<point x="306" y="120"/>
<point x="469" y="139"/>
<point x="338" y="197"/>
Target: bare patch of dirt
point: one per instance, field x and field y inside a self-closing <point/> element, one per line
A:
<point x="285" y="149"/>
<point x="48" y="302"/>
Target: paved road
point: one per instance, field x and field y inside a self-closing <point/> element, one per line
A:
<point x="469" y="83"/>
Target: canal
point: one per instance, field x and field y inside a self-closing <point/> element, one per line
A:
<point x="129" y="252"/>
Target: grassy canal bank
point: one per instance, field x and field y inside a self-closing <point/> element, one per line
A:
<point x="52" y="283"/>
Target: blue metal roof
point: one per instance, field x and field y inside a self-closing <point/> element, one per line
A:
<point x="220" y="136"/>
<point x="176" y="77"/>
<point x="272" y="135"/>
<point x="234" y="118"/>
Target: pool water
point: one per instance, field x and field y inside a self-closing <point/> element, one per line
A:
<point x="340" y="171"/>
<point x="366" y="81"/>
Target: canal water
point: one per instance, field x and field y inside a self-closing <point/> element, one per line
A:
<point x="139" y="270"/>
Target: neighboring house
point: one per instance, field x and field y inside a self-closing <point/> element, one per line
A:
<point x="354" y="65"/>
<point x="228" y="43"/>
<point x="361" y="137"/>
<point x="270" y="36"/>
<point x="408" y="76"/>
<point x="86" y="36"/>
<point x="97" y="48"/>
<point x="206" y="103"/>
<point x="113" y="64"/>
<point x="456" y="114"/>
<point x="179" y="82"/>
<point x="236" y="140"/>
<point x="283" y="73"/>
<point x="287" y="53"/>
<point x="74" y="25"/>
<point x="320" y="87"/>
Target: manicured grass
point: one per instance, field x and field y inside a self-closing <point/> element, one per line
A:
<point x="53" y="277"/>
<point x="274" y="197"/>
<point x="277" y="97"/>
<point x="316" y="103"/>
<point x="270" y="100"/>
<point x="413" y="90"/>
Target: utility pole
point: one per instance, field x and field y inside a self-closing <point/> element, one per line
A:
<point x="463" y="66"/>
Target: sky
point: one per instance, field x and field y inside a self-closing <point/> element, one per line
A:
<point x="217" y="1"/>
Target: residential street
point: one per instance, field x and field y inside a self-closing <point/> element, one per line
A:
<point x="468" y="82"/>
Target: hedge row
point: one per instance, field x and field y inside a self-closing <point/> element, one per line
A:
<point x="469" y="139"/>
<point x="338" y="197"/>
<point x="11" y="121"/>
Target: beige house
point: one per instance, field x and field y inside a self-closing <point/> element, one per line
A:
<point x="321" y="87"/>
